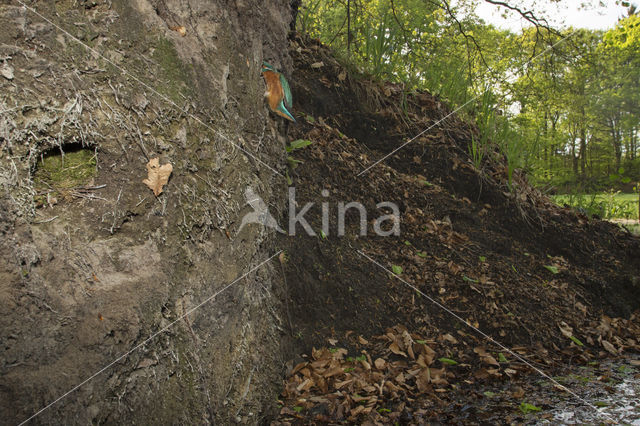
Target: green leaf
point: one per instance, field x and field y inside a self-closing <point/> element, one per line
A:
<point x="293" y="161"/>
<point x="489" y="394"/>
<point x="396" y="269"/>
<point x="297" y="409"/>
<point x="422" y="254"/>
<point x="323" y="235"/>
<point x="361" y="358"/>
<point x="552" y="269"/>
<point x="576" y="341"/>
<point x="421" y="342"/>
<point x="483" y="259"/>
<point x="471" y="280"/>
<point x="447" y="361"/>
<point x="407" y="243"/>
<point x="298" y="144"/>
<point x="528" y="408"/>
<point x="600" y="404"/>
<point x="502" y="358"/>
<point x="383" y="410"/>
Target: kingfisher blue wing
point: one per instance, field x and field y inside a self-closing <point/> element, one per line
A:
<point x="288" y="100"/>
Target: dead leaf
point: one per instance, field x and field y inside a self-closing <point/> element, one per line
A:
<point x="179" y="29"/>
<point x="565" y="329"/>
<point x="362" y="340"/>
<point x="158" y="175"/>
<point x="342" y="76"/>
<point x="486" y="357"/>
<point x="306" y="385"/>
<point x="317" y="65"/>
<point x="609" y="347"/>
<point x="396" y="350"/>
<point x="518" y="392"/>
<point x="147" y="362"/>
<point x="449" y="338"/>
<point x="510" y="372"/>
<point x="380" y="363"/>
<point x="6" y="71"/>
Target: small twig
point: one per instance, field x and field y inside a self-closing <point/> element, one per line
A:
<point x="46" y="220"/>
<point x="87" y="196"/>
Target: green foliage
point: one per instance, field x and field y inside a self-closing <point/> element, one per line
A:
<point x="448" y="361"/>
<point x="569" y="115"/>
<point x="527" y="408"/>
<point x="298" y="144"/>
<point x="607" y="205"/>
<point x="576" y="341"/>
<point x="396" y="269"/>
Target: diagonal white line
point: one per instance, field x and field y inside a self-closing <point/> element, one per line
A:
<point x="145" y="85"/>
<point x="477" y="330"/>
<point x="162" y="330"/>
<point x="457" y="109"/>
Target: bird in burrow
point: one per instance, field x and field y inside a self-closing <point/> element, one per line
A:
<point x="278" y="92"/>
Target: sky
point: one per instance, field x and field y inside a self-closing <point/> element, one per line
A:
<point x="595" y="15"/>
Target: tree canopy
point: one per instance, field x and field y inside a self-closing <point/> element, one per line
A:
<point x="562" y="104"/>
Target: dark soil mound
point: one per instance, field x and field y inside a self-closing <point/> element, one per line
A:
<point x="542" y="280"/>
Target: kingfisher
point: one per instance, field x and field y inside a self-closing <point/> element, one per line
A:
<point x="278" y="92"/>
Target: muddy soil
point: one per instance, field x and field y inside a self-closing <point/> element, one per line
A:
<point x="89" y="273"/>
<point x="551" y="286"/>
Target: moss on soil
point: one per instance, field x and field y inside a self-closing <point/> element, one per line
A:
<point x="177" y="82"/>
<point x="62" y="172"/>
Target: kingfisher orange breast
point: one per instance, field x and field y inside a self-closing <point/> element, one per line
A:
<point x="274" y="93"/>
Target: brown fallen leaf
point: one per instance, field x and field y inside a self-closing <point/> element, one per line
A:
<point x="147" y="362"/>
<point x="179" y="29"/>
<point x="486" y="357"/>
<point x="396" y="350"/>
<point x="518" y="392"/>
<point x="158" y="175"/>
<point x="609" y="347"/>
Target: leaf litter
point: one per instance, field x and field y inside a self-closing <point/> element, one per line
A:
<point x="499" y="259"/>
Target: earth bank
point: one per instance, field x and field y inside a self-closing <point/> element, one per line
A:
<point x="89" y="271"/>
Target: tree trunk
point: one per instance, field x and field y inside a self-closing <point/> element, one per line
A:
<point x="583" y="154"/>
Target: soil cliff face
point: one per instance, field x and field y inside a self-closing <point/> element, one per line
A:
<point x="91" y="270"/>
